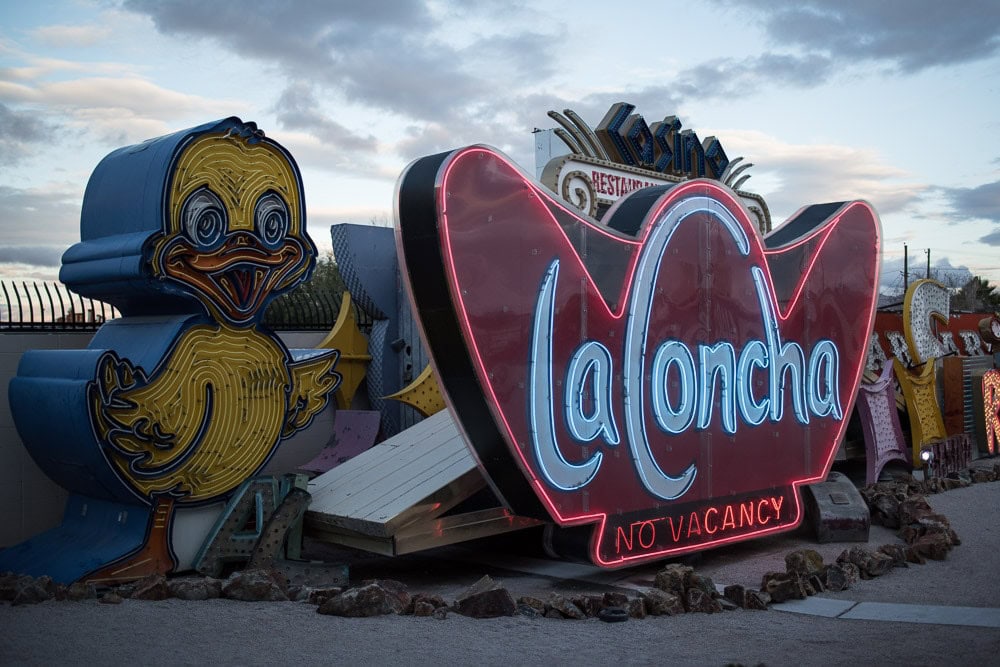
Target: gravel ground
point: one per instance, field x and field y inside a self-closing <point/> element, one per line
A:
<point x="256" y="633"/>
<point x="228" y="632"/>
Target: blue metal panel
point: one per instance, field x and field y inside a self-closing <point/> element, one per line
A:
<point x="110" y="530"/>
<point x="381" y="371"/>
<point x="366" y="256"/>
<point x="47" y="401"/>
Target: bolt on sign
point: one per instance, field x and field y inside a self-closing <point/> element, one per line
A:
<point x="667" y="376"/>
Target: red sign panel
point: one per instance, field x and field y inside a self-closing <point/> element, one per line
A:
<point x="667" y="375"/>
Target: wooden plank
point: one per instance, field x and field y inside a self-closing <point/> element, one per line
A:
<point x="405" y="488"/>
<point x="459" y="528"/>
<point x="424" y="491"/>
<point x="354" y="495"/>
<point x="335" y="535"/>
<point x="386" y="457"/>
<point x="413" y="474"/>
<point x="390" y="507"/>
<point x="387" y="453"/>
<point x="390" y="453"/>
<point x="422" y="511"/>
<point x="391" y="498"/>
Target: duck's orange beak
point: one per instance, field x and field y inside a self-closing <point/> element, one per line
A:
<point x="237" y="277"/>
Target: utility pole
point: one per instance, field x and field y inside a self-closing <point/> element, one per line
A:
<point x="928" y="263"/>
<point x="906" y="268"/>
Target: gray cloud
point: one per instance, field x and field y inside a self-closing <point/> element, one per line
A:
<point x="726" y="77"/>
<point x="978" y="203"/>
<point x="298" y="29"/>
<point x="48" y="217"/>
<point x="298" y="109"/>
<point x="993" y="238"/>
<point x="793" y="175"/>
<point x="385" y="55"/>
<point x="942" y="270"/>
<point x="33" y="255"/>
<point x="19" y="130"/>
<point x="912" y="35"/>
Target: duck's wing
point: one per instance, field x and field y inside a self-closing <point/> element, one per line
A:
<point x="142" y="420"/>
<point x="313" y="382"/>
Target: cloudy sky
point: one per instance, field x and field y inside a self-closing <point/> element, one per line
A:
<point x="895" y="101"/>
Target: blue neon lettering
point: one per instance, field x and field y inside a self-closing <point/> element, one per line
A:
<point x="754" y="355"/>
<point x="781" y="357"/>
<point x="653" y="478"/>
<point x="587" y="398"/>
<point x="668" y="418"/>
<point x="590" y="368"/>
<point x="718" y="360"/>
<point x="554" y="467"/>
<point x="824" y="399"/>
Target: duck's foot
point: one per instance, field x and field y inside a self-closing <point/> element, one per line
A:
<point x="154" y="557"/>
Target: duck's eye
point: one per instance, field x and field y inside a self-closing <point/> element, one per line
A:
<point x="204" y="218"/>
<point x="271" y="219"/>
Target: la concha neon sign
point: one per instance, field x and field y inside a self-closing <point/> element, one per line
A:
<point x="667" y="375"/>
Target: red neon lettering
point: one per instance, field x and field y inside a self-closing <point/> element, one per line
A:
<point x="652" y="535"/>
<point x="760" y="517"/>
<point x="708" y="512"/>
<point x="680" y="526"/>
<point x="621" y="536"/>
<point x="758" y="512"/>
<point x="615" y="185"/>
<point x="694" y="526"/>
<point x="728" y="518"/>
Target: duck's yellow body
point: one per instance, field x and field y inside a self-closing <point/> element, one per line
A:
<point x="210" y="416"/>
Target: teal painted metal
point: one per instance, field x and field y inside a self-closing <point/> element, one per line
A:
<point x="257" y="523"/>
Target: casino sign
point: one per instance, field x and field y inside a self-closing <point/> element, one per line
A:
<point x="625" y="154"/>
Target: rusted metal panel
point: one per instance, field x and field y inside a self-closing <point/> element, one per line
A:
<point x="836" y="511"/>
<point x="880" y="423"/>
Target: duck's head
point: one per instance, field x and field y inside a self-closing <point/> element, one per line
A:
<point x="211" y="218"/>
<point x="234" y="233"/>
